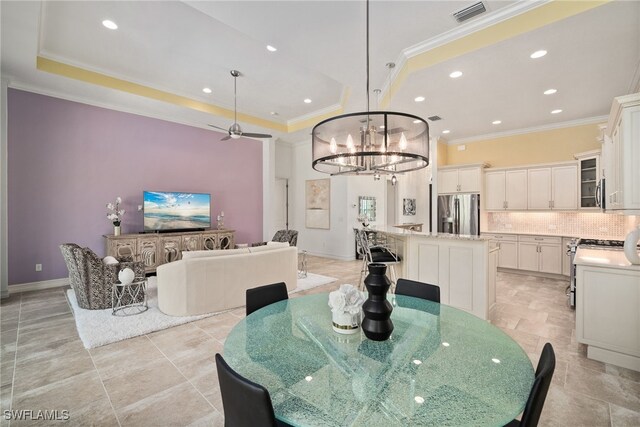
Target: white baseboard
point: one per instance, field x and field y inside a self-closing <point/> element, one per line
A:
<point x="332" y="256"/>
<point x="36" y="286"/>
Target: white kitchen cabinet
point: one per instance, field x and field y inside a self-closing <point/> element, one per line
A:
<point x="553" y="187"/>
<point x="607" y="315"/>
<point x="508" y="249"/>
<point x="461" y="268"/>
<point x="540" y="253"/>
<point x="460" y="179"/>
<point x="622" y="174"/>
<point x="564" y="187"/>
<point x="589" y="177"/>
<point x="528" y="256"/>
<point x="506" y="190"/>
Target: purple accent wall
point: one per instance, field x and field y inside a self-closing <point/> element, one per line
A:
<point x="66" y="160"/>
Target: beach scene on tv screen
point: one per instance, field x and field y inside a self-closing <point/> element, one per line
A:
<point x="170" y="211"/>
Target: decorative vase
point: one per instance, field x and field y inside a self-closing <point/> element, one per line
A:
<point x="345" y="322"/>
<point x="126" y="276"/>
<point x="631" y="246"/>
<point x="377" y="310"/>
<point x="116" y="230"/>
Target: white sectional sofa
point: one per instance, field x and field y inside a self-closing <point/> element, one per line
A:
<point x="207" y="281"/>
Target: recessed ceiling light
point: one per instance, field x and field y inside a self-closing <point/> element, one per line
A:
<point x="206" y="90"/>
<point x="417" y="121"/>
<point x="274" y="113"/>
<point x="382" y="126"/>
<point x="455" y="74"/>
<point x="446" y="344"/>
<point x="550" y="91"/>
<point x="446" y="131"/>
<point x="307" y="101"/>
<point x="419" y="98"/>
<point x="419" y="399"/>
<point x="271" y="48"/>
<point x="496" y="122"/>
<point x="538" y="54"/>
<point x="494" y="360"/>
<point x="556" y="111"/>
<point x="110" y="24"/>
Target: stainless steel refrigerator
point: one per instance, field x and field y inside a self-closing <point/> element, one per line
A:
<point x="459" y="214"/>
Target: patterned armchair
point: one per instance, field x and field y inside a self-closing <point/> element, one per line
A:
<point x="91" y="279"/>
<point x="289" y="236"/>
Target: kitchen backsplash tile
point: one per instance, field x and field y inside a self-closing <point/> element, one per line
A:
<point x="578" y="224"/>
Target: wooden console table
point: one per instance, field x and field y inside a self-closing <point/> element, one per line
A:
<point x="154" y="249"/>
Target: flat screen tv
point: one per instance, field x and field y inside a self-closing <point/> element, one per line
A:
<point x="168" y="211"/>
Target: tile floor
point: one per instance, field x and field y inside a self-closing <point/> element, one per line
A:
<point x="168" y="378"/>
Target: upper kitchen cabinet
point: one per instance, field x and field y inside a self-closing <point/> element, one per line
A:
<point x="460" y="179"/>
<point x="506" y="190"/>
<point x="622" y="155"/>
<point x="589" y="179"/>
<point x="553" y="188"/>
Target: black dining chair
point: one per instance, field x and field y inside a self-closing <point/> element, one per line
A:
<point x="416" y="289"/>
<point x="245" y="403"/>
<point x="544" y="373"/>
<point x="264" y="295"/>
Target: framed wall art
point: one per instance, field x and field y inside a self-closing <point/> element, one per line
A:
<point x="317" y="203"/>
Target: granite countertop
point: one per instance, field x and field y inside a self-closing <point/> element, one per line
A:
<point x="556" y="234"/>
<point x="394" y="231"/>
<point x="608" y="258"/>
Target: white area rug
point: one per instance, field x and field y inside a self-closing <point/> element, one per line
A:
<point x="99" y="327"/>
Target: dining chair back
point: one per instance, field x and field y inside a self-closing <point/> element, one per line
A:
<point x="417" y="289"/>
<point x="544" y="374"/>
<point x="245" y="403"/>
<point x="264" y="295"/>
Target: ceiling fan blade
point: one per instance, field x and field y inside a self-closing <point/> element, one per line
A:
<point x="218" y="127"/>
<point x="226" y="138"/>
<point x="256" y="135"/>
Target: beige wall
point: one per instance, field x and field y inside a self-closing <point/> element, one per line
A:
<point x="537" y="147"/>
<point x="443" y="153"/>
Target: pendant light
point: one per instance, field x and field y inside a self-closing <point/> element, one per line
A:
<point x="370" y="142"/>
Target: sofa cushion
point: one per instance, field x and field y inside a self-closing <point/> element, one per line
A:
<point x="256" y="249"/>
<point x="217" y="252"/>
<point x="278" y="244"/>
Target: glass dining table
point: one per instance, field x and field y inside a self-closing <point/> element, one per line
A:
<point x="441" y="366"/>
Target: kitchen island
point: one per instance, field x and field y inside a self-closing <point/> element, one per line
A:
<point x="464" y="267"/>
<point x="607" y="301"/>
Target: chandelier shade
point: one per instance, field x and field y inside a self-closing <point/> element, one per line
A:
<point x="369" y="143"/>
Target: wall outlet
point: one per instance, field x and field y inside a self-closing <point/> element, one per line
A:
<point x="38" y="267"/>
<point x="139" y="208"/>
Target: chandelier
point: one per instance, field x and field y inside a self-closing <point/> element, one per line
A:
<point x="370" y="142"/>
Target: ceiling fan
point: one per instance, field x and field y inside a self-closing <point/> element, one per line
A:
<point x="234" y="130"/>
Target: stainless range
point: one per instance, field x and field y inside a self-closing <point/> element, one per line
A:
<point x="572" y="247"/>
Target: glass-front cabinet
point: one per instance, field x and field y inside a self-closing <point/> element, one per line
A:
<point x="589" y="173"/>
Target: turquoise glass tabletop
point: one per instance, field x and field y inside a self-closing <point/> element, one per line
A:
<point x="441" y="366"/>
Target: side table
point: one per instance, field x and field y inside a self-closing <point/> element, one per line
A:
<point x="129" y="299"/>
<point x="302" y="264"/>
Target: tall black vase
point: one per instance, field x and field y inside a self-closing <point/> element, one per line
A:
<point x="377" y="310"/>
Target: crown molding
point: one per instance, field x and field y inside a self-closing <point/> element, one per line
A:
<point x="571" y="123"/>
<point x="481" y="23"/>
<point x="14" y="84"/>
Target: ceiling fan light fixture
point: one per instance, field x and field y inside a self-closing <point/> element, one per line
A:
<point x="370" y="142"/>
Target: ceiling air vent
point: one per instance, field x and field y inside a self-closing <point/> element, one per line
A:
<point x="469" y="12"/>
<point x="434" y="118"/>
